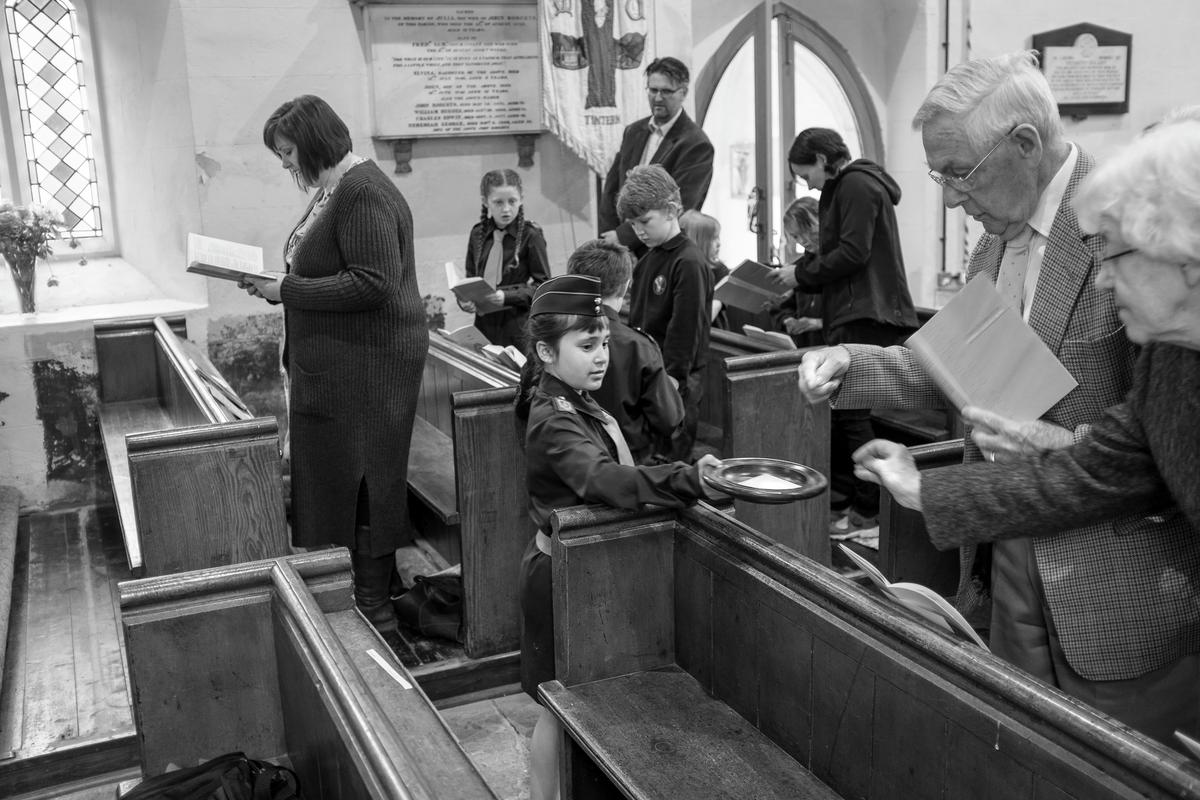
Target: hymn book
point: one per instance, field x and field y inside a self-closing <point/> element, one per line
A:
<point x="981" y="353"/>
<point x="780" y="341"/>
<point x="467" y="336"/>
<point x="506" y="356"/>
<point x="750" y="287"/>
<point x="218" y="258"/>
<point x="920" y="600"/>
<point x="472" y="290"/>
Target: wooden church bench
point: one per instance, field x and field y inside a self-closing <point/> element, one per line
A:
<point x="449" y="368"/>
<point x="905" y="552"/>
<point x="195" y="485"/>
<point x="680" y="635"/>
<point x="467" y="475"/>
<point x="765" y="415"/>
<point x="722" y="344"/>
<point x="272" y="658"/>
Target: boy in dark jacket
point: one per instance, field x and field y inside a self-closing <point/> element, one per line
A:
<point x="636" y="389"/>
<point x="859" y="272"/>
<point x="672" y="290"/>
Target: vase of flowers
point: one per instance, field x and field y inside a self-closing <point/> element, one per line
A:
<point x="25" y="236"/>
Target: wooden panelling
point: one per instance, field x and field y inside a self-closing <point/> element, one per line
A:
<point x="875" y="704"/>
<point x="638" y="621"/>
<point x="767" y="417"/>
<point x="212" y="663"/>
<point x="905" y="552"/>
<point x="271" y="658"/>
<point x="493" y="503"/>
<point x="125" y="358"/>
<point x="208" y="496"/>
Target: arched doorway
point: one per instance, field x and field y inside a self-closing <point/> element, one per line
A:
<point x="765" y="83"/>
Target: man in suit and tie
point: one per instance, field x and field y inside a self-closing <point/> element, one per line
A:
<point x="667" y="137"/>
<point x="1074" y="610"/>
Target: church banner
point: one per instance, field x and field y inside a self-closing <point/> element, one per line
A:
<point x="593" y="55"/>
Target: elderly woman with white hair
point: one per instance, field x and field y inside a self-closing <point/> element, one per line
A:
<point x="1143" y="457"/>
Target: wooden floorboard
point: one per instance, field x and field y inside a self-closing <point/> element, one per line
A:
<point x="102" y="701"/>
<point x="50" y="708"/>
<point x="12" y="690"/>
<point x="64" y="706"/>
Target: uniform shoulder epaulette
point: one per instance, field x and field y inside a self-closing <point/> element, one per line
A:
<point x="645" y="334"/>
<point x="563" y="404"/>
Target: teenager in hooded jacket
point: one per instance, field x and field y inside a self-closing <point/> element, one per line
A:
<point x="859" y="272"/>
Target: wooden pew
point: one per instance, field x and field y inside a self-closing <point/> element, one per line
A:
<point x="272" y="658"/>
<point x="905" y="552"/>
<point x="765" y="415"/>
<point x="467" y="471"/>
<point x="722" y="344"/>
<point x="699" y="659"/>
<point x="195" y="485"/>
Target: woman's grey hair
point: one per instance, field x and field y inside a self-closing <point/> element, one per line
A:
<point x="1148" y="194"/>
<point x="991" y="96"/>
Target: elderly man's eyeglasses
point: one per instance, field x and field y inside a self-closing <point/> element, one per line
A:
<point x="964" y="183"/>
<point x="657" y="92"/>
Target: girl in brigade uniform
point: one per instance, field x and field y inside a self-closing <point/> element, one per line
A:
<point x="575" y="454"/>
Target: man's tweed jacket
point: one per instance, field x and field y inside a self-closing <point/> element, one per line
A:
<point x="1112" y="618"/>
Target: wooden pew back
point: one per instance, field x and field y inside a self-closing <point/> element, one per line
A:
<point x="272" y="658"/>
<point x="862" y="695"/>
<point x="451" y="368"/>
<point x="905" y="552"/>
<point x="722" y="344"/>
<point x="480" y="464"/>
<point x="489" y="468"/>
<point x="196" y="483"/>
<point x="767" y="416"/>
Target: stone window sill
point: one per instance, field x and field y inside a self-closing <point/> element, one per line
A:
<point x="104" y="288"/>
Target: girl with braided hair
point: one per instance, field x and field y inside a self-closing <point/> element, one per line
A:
<point x="509" y="252"/>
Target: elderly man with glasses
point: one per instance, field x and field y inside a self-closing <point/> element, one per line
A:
<point x="667" y="137"/>
<point x="1075" y="610"/>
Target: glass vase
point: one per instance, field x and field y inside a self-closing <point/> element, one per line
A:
<point x="23" y="268"/>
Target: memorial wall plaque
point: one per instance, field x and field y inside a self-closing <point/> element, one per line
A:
<point x="454" y="69"/>
<point x="1087" y="67"/>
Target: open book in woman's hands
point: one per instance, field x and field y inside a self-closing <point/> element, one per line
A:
<point x="920" y="600"/>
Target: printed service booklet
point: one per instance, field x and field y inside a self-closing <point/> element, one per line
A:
<point x="921" y="600"/>
<point x="981" y="353"/>
<point x="217" y="258"/>
<point x="749" y="287"/>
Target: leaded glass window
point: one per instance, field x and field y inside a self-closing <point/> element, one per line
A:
<point x="52" y="100"/>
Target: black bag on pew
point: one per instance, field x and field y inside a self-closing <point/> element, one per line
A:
<point x="433" y="606"/>
<point x="232" y="776"/>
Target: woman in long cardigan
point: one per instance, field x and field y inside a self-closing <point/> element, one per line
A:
<point x="354" y="350"/>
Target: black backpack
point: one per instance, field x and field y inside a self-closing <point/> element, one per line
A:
<point x="232" y="776"/>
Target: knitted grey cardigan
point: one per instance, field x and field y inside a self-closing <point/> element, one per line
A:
<point x="355" y="350"/>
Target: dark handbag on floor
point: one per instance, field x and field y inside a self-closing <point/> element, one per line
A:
<point x="232" y="776"/>
<point x="433" y="606"/>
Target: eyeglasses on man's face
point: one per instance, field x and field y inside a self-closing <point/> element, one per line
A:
<point x="965" y="182"/>
<point x="655" y="91"/>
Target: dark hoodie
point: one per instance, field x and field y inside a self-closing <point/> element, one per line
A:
<point x="859" y="270"/>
